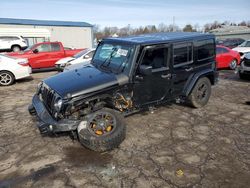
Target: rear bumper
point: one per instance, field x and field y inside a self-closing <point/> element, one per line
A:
<point x="46" y="123"/>
<point x="23" y="72"/>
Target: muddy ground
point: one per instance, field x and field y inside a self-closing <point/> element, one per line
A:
<point x="176" y="146"/>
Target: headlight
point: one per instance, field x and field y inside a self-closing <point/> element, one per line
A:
<point x="58" y="104"/>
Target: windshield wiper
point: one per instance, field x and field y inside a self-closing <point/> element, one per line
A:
<point x="108" y="59"/>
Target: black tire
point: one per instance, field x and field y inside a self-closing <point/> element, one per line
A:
<point x="107" y="141"/>
<point x="201" y="92"/>
<point x="15" y="48"/>
<point x="6" y="78"/>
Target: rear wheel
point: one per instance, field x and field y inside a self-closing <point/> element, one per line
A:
<point x="233" y="64"/>
<point x="6" y="78"/>
<point x="105" y="130"/>
<point x="16" y="48"/>
<point x="200" y="93"/>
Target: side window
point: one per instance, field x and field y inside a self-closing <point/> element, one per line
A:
<point x="55" y="47"/>
<point x="224" y="50"/>
<point x="182" y="53"/>
<point x="247" y="44"/>
<point x="155" y="57"/>
<point x="205" y="49"/>
<point x="44" y="48"/>
<point x="220" y="50"/>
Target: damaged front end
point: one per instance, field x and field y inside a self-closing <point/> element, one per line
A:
<point x="48" y="106"/>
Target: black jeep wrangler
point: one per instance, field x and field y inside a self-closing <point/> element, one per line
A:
<point x="126" y="75"/>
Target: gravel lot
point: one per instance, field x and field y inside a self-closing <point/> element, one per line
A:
<point x="176" y="146"/>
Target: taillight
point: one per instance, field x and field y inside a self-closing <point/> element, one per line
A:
<point x="24" y="63"/>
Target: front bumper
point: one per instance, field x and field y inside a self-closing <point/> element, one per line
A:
<point x="46" y="123"/>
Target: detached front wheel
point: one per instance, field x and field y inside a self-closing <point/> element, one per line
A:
<point x="201" y="93"/>
<point x="104" y="130"/>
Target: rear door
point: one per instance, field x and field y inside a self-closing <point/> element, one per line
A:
<point x="182" y="66"/>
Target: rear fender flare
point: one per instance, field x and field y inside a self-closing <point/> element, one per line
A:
<point x="194" y="78"/>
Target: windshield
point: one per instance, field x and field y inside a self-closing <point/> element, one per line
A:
<point x="113" y="57"/>
<point x="81" y="53"/>
<point x="245" y="44"/>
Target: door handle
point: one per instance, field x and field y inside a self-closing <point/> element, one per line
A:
<point x="189" y="69"/>
<point x="166" y="76"/>
<point x="139" y="78"/>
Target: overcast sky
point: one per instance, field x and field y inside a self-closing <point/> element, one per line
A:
<point x="134" y="12"/>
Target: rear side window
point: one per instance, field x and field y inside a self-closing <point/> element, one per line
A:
<point x="8" y="38"/>
<point x="55" y="47"/>
<point x="220" y="50"/>
<point x="205" y="49"/>
<point x="183" y="53"/>
<point x="44" y="48"/>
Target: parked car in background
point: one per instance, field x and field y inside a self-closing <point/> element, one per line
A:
<point x="243" y="48"/>
<point x="12" y="69"/>
<point x="244" y="69"/>
<point x="226" y="58"/>
<point x="76" y="66"/>
<point x="45" y="54"/>
<point x="12" y="43"/>
<point x="231" y="42"/>
<point x="81" y="57"/>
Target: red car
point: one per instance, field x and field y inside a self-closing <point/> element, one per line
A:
<point x="226" y="58"/>
<point x="45" y="54"/>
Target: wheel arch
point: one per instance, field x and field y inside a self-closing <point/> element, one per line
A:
<point x="9" y="72"/>
<point x="16" y="45"/>
<point x="210" y="74"/>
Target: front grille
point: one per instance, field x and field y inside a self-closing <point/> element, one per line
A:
<point x="48" y="96"/>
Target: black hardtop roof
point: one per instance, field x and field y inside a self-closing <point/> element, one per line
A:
<point x="159" y="37"/>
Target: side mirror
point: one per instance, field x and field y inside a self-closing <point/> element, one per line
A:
<point x="145" y="70"/>
<point x="86" y="57"/>
<point x="35" y="51"/>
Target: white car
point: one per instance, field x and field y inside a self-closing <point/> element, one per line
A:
<point x="83" y="56"/>
<point x="13" y="43"/>
<point x="12" y="69"/>
<point x="243" y="48"/>
<point x="76" y="66"/>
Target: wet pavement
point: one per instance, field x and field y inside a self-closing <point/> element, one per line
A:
<point x="176" y="146"/>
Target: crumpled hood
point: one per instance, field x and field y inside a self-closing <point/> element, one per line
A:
<point x="80" y="81"/>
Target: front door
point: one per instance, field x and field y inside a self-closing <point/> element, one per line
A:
<point x="155" y="87"/>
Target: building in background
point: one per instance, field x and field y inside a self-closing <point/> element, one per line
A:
<point x="71" y="34"/>
<point x="226" y="32"/>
